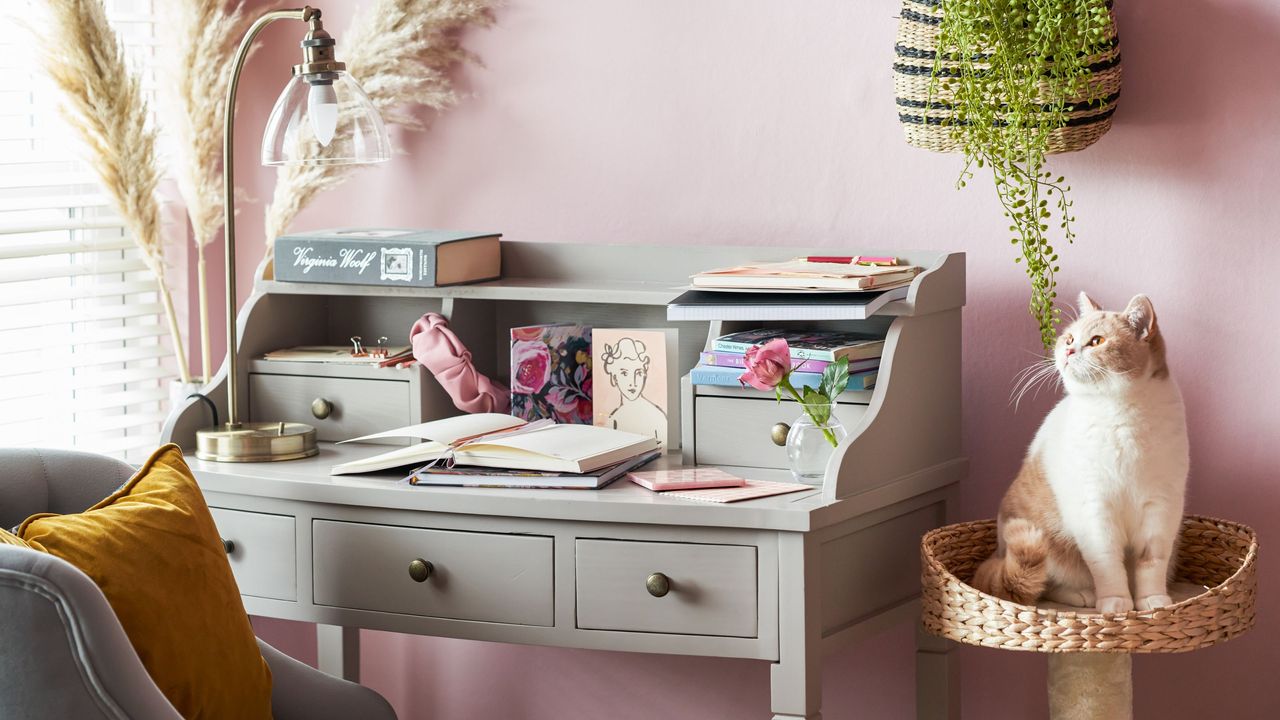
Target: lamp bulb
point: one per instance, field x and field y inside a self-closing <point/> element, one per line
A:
<point x="322" y="106"/>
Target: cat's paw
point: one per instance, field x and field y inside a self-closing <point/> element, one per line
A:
<point x="1115" y="604"/>
<point x="1088" y="598"/>
<point x="1152" y="602"/>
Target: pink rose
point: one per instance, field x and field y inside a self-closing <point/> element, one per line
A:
<point x="767" y="364"/>
<point x="531" y="366"/>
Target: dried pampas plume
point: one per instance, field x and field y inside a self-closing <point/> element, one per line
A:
<point x="106" y="106"/>
<point x="205" y="36"/>
<point x="400" y="52"/>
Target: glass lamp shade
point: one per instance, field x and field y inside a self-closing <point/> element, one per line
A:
<point x="330" y="122"/>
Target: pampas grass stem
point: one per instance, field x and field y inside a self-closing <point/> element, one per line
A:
<point x="193" y="92"/>
<point x="106" y="106"/>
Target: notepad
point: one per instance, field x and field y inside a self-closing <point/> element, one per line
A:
<point x="753" y="489"/>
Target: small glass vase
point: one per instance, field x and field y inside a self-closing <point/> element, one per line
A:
<point x="809" y="447"/>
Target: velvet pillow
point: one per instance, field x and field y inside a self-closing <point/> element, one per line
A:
<point x="8" y="538"/>
<point x="153" y="549"/>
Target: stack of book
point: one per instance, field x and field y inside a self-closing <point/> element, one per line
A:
<point x="811" y="353"/>
<point x="495" y="450"/>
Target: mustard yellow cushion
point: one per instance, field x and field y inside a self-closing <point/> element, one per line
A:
<point x="154" y="551"/>
<point x="8" y="538"/>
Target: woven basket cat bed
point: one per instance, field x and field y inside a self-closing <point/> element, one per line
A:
<point x="1216" y="570"/>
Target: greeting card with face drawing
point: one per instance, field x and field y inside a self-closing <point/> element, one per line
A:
<point x="635" y="382"/>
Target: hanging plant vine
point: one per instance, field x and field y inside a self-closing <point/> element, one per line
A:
<point x="1013" y="72"/>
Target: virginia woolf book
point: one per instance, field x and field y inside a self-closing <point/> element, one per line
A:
<point x="494" y="440"/>
<point x="375" y="256"/>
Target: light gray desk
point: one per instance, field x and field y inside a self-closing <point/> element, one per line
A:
<point x="785" y="579"/>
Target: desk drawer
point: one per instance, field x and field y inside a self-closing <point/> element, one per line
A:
<point x="712" y="588"/>
<point x="735" y="431"/>
<point x="359" y="406"/>
<point x="474" y="576"/>
<point x="263" y="553"/>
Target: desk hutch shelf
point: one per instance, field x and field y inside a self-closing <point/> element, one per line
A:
<point x="786" y="579"/>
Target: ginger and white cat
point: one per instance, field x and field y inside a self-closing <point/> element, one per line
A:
<point x="1092" y="519"/>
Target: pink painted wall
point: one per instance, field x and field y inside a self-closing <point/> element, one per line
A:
<point x="772" y="124"/>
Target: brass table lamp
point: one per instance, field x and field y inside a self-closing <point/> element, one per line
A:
<point x="321" y="118"/>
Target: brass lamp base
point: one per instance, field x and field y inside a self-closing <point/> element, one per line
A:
<point x="256" y="442"/>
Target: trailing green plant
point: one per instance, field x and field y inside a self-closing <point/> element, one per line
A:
<point x="1013" y="71"/>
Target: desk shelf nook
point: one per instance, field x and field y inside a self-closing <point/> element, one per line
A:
<point x="786" y="579"/>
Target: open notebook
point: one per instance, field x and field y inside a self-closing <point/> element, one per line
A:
<point x="502" y="441"/>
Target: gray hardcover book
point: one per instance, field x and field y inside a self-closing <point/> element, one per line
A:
<point x="386" y="256"/>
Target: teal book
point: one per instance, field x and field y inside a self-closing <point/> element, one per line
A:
<point x="388" y="256"/>
<point x="728" y="377"/>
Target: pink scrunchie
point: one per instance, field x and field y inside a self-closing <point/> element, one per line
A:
<point x="440" y="351"/>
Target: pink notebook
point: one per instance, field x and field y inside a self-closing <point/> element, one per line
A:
<point x="690" y="479"/>
<point x="753" y="489"/>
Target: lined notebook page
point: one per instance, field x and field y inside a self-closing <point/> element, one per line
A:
<point x="753" y="489"/>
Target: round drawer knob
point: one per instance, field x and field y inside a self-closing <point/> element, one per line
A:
<point x="658" y="584"/>
<point x="779" y="434"/>
<point x="321" y="408"/>
<point x="420" y="570"/>
<point x="228" y="545"/>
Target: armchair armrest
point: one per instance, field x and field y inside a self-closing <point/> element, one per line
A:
<point x="300" y="692"/>
<point x="65" y="653"/>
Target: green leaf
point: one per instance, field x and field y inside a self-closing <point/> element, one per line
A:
<point x="835" y="378"/>
<point x="817" y="406"/>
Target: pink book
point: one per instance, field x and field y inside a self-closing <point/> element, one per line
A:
<point x="687" y="479"/>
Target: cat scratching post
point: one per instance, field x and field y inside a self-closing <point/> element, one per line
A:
<point x="1090" y="686"/>
<point x="1091" y="654"/>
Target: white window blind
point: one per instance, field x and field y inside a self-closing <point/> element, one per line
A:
<point x="84" y="354"/>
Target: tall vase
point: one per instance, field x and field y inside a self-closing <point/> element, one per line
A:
<point x="810" y="445"/>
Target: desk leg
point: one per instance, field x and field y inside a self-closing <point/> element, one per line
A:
<point x="338" y="651"/>
<point x="795" y="681"/>
<point x="937" y="678"/>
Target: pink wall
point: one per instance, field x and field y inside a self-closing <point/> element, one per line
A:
<point x="722" y="122"/>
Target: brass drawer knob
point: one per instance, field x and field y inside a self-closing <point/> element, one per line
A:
<point x="228" y="545"/>
<point x="658" y="584"/>
<point x="420" y="570"/>
<point x="779" y="434"/>
<point x="321" y="408"/>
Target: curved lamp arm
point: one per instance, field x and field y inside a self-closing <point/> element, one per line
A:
<point x="228" y="189"/>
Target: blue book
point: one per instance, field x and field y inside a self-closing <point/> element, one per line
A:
<point x="728" y="377"/>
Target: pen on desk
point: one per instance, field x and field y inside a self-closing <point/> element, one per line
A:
<point x="852" y="259"/>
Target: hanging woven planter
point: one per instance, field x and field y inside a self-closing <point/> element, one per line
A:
<point x="925" y="120"/>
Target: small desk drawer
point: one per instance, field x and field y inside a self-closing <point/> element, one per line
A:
<point x="263" y="554"/>
<point x="358" y="406"/>
<point x="474" y="576"/>
<point x="735" y="431"/>
<point x="712" y="588"/>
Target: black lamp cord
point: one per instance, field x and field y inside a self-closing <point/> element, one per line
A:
<point x="213" y="409"/>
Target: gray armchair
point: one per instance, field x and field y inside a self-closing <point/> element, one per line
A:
<point x="63" y="653"/>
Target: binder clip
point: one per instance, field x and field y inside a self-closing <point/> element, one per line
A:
<point x="359" y="350"/>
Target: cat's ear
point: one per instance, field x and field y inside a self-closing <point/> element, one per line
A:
<point x="1141" y="316"/>
<point x="1086" y="303"/>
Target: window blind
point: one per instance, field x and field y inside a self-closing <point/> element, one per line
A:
<point x="84" y="356"/>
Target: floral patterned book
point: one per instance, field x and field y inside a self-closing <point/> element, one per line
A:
<point x="551" y="373"/>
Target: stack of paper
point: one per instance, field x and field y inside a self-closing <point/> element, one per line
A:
<point x="844" y="274"/>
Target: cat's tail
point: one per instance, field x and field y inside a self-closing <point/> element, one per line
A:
<point x="1021" y="574"/>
